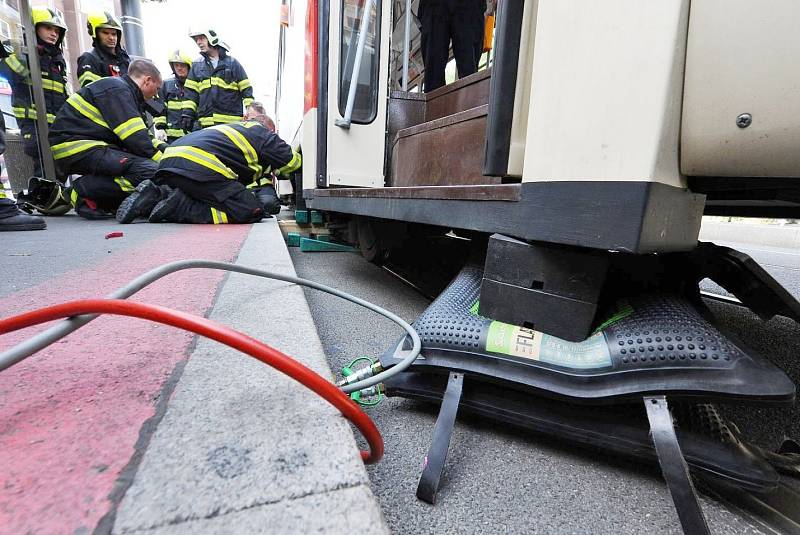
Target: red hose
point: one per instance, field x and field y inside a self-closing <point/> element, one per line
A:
<point x="222" y="334"/>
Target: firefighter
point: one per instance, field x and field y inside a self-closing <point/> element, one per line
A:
<point x="174" y="97"/>
<point x="50" y="30"/>
<point x="443" y="21"/>
<point x="107" y="57"/>
<point x="213" y="176"/>
<point x="101" y="133"/>
<point x="217" y="84"/>
<point x="11" y="217"/>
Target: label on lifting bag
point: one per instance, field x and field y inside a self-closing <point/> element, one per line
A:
<point x="530" y="344"/>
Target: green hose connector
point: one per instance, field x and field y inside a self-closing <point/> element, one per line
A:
<point x="365" y="397"/>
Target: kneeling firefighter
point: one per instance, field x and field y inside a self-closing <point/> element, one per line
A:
<point x="101" y="134"/>
<point x="214" y="176"/>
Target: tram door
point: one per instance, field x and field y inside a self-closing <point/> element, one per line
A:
<point x="357" y="89"/>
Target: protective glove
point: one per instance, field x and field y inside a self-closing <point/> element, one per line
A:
<point x="186" y="123"/>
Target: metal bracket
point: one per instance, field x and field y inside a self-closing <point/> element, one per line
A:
<point x="442" y="431"/>
<point x="674" y="467"/>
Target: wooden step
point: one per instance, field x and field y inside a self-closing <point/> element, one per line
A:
<point x="444" y="152"/>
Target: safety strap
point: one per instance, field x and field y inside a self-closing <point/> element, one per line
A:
<point x="674" y="467"/>
<point x="442" y="431"/>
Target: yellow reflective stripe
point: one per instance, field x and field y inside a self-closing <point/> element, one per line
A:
<point x="244" y="84"/>
<point x="191" y="84"/>
<point x="293" y="165"/>
<point x="73" y="198"/>
<point x="172" y="132"/>
<point x="157" y="156"/>
<point x="30" y="113"/>
<point x="218" y="82"/>
<point x="3" y="194"/>
<point x="200" y="157"/>
<point x="69" y="148"/>
<point x="124" y="184"/>
<point x="247" y="149"/>
<point x="247" y="101"/>
<point x="87" y="78"/>
<point x="159" y="120"/>
<point x="86" y="109"/>
<point x="17" y="66"/>
<point x="129" y="127"/>
<point x="220" y="118"/>
<point x="219" y="217"/>
<point x="53" y="85"/>
<point x="181" y="105"/>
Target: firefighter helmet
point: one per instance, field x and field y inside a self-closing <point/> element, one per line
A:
<point x="102" y="19"/>
<point x="45" y="15"/>
<point x="48" y="197"/>
<point x="176" y="56"/>
<point x="211" y="35"/>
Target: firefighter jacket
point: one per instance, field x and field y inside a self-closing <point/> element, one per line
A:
<point x="54" y="82"/>
<point x="244" y="151"/>
<point x="97" y="63"/>
<point x="173" y="95"/>
<point x="109" y="112"/>
<point x="218" y="93"/>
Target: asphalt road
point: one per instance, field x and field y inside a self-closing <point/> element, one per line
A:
<point x="502" y="480"/>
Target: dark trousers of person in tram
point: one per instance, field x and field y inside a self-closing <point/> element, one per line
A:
<point x="443" y="21"/>
<point x="109" y="175"/>
<point x="216" y="201"/>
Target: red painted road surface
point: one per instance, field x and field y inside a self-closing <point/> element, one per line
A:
<point x="70" y="415"/>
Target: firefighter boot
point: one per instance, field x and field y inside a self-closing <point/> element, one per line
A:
<point x="140" y="203"/>
<point x="180" y="208"/>
<point x="22" y="221"/>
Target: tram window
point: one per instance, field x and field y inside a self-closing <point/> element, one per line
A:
<point x="365" y="105"/>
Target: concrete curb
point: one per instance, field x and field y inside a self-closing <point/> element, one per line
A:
<point x="243" y="448"/>
<point x="771" y="235"/>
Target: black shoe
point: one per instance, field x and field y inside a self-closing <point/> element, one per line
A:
<point x="22" y="221"/>
<point x="165" y="209"/>
<point x="139" y="203"/>
<point x="89" y="210"/>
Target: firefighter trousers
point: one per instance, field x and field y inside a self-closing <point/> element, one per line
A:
<point x="216" y="201"/>
<point x="109" y="175"/>
<point x="30" y="144"/>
